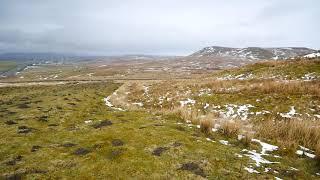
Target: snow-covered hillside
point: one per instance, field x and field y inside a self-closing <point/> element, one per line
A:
<point x="313" y="55"/>
<point x="253" y="53"/>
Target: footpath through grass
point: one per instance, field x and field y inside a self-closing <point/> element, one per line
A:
<point x="66" y="131"/>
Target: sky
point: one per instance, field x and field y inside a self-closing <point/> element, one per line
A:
<point x="160" y="27"/>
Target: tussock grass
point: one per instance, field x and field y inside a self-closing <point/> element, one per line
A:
<point x="231" y="128"/>
<point x="291" y="133"/>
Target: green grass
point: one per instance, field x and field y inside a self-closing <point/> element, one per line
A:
<point x="68" y="106"/>
<point x="7" y="65"/>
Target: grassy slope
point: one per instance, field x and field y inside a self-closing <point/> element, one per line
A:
<point x="7" y="65"/>
<point x="286" y="69"/>
<point x="141" y="132"/>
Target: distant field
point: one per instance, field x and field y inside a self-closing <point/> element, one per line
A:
<point x="7" y="65"/>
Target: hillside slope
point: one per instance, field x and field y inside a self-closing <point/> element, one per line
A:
<point x="253" y="53"/>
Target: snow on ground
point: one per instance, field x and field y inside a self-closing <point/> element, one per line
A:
<point x="88" y="121"/>
<point x="289" y="114"/>
<point x="224" y="142"/>
<point x="107" y="101"/>
<point x="305" y="151"/>
<point x="109" y="104"/>
<point x="309" y="77"/>
<point x="208" y="139"/>
<point x="251" y="170"/>
<point x="258" y="157"/>
<point x="90" y="74"/>
<point x="186" y="102"/>
<point x="146" y="90"/>
<point x="265" y="146"/>
<point x="233" y="111"/>
<point x="205" y="92"/>
<point x="238" y="77"/>
<point x="138" y="104"/>
<point x="312" y="55"/>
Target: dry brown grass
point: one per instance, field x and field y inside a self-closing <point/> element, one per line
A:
<point x="231" y="128"/>
<point x="290" y="87"/>
<point x="291" y="133"/>
<point x="206" y="125"/>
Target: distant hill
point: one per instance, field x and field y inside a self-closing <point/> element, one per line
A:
<point x="254" y="53"/>
<point x="44" y="57"/>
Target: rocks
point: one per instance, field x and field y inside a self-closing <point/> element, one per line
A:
<point x="52" y="125"/>
<point x="24" y="129"/>
<point x="81" y="151"/>
<point x="10" y="122"/>
<point x="159" y="150"/>
<point x="117" y="142"/>
<point x="102" y="124"/>
<point x="35" y="148"/>
<point x="194" y="168"/>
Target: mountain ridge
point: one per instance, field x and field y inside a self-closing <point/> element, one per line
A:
<point x="254" y="53"/>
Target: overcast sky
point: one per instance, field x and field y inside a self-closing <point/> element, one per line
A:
<point x="166" y="27"/>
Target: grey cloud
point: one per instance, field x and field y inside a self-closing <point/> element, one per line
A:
<point x="155" y="27"/>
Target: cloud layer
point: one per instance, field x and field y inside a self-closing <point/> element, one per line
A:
<point x="108" y="27"/>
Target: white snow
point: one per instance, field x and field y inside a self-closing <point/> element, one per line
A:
<point x="109" y="104"/>
<point x="107" y="101"/>
<point x="257" y="157"/>
<point x="265" y="147"/>
<point x="312" y="55"/>
<point x="206" y="106"/>
<point x="289" y="114"/>
<point x="224" y="142"/>
<point x="301" y="152"/>
<point x="240" y="137"/>
<point x="186" y="102"/>
<point x="309" y="77"/>
<point x="208" y="139"/>
<point x="293" y="169"/>
<point x="205" y="92"/>
<point x="250" y="170"/>
<point x="138" y="104"/>
<point x="277" y="178"/>
<point x="233" y="111"/>
<point x="238" y="155"/>
<point x="88" y="121"/>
